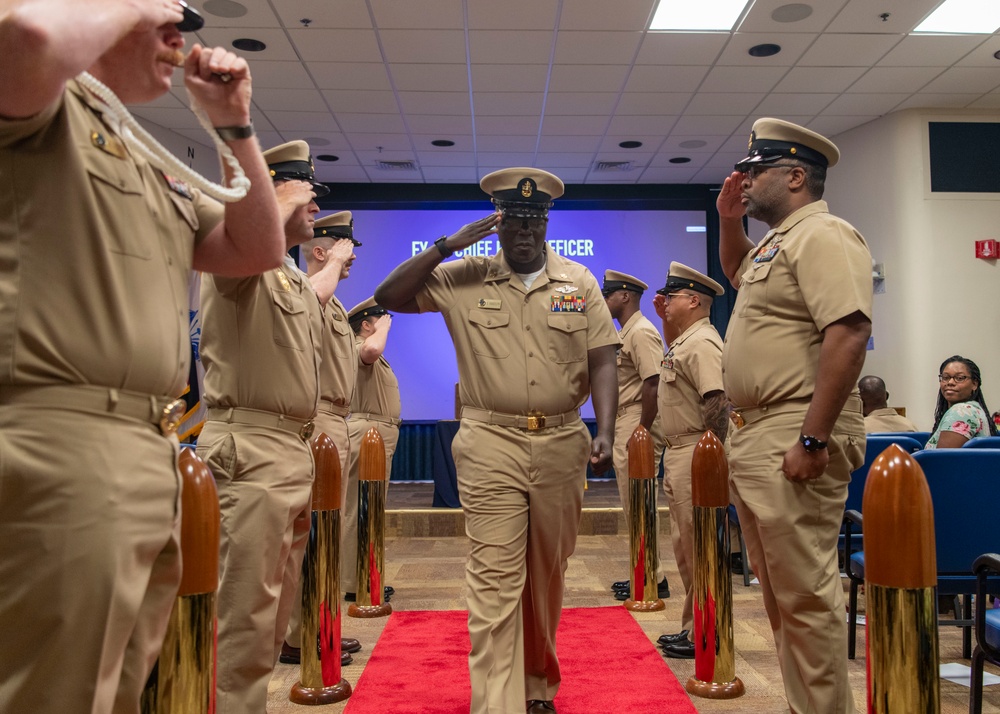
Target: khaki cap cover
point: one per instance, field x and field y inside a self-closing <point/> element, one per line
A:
<point x="614" y="280"/>
<point x="682" y="277"/>
<point x="774" y="139"/>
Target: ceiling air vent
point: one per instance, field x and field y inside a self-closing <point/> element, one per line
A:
<point x="395" y="166"/>
<point x="613" y="166"/>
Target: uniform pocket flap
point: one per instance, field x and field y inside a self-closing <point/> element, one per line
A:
<point x="489" y="319"/>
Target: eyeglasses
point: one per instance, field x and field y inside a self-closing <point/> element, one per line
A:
<point x="672" y="295"/>
<point x="753" y="172"/>
<point x="956" y="378"/>
<point x="515" y="222"/>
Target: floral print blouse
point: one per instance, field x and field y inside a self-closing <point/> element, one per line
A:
<point x="965" y="418"/>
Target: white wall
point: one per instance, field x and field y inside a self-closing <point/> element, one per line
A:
<point x="939" y="299"/>
<point x="205" y="160"/>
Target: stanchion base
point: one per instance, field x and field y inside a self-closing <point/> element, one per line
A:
<point x="383" y="610"/>
<point x="644" y="605"/>
<point x="715" y="690"/>
<point x="315" y="696"/>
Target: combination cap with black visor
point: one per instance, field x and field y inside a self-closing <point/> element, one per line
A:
<point x="365" y="309"/>
<point x="523" y="192"/>
<point x="772" y="140"/>
<point x="682" y="277"/>
<point x="292" y="162"/>
<point x="336" y="225"/>
<point x="193" y="21"/>
<point x="615" y="281"/>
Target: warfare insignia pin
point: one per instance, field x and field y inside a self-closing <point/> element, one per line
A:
<point x="283" y="279"/>
<point x="567" y="289"/>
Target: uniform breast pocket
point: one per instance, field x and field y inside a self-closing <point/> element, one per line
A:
<point x="567" y="337"/>
<point x="489" y="333"/>
<point x="669" y="395"/>
<point x="291" y="320"/>
<point x="343" y="339"/>
<point x="118" y="197"/>
<point x="755" y="283"/>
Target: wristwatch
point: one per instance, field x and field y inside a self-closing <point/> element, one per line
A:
<point x="811" y="443"/>
<point x="230" y="133"/>
<point x="442" y="247"/>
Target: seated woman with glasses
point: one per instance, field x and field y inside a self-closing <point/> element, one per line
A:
<point x="961" y="413"/>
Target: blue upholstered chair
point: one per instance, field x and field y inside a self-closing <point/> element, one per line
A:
<point x="920" y="436"/>
<point x="987" y="628"/>
<point x="850" y="538"/>
<point x="963" y="485"/>
<point x="983" y="442"/>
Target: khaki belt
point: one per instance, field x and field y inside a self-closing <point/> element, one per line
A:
<point x="256" y="417"/>
<point x="530" y="423"/>
<point x="676" y="440"/>
<point x="628" y="407"/>
<point x="325" y="405"/>
<point x="164" y="413"/>
<point x="377" y="417"/>
<point x="752" y="414"/>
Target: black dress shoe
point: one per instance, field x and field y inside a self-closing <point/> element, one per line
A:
<point x="662" y="591"/>
<point x="289" y="654"/>
<point x="387" y="593"/>
<point x="539" y="706"/>
<point x="679" y="650"/>
<point x="349" y="644"/>
<point x="736" y="563"/>
<point x="620" y="585"/>
<point x="345" y="659"/>
<point x="671" y="639"/>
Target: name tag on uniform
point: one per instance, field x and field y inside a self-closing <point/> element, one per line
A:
<point x="486" y="304"/>
<point x="569" y="303"/>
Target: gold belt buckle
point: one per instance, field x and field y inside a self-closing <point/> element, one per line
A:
<point x="536" y="422"/>
<point x="737" y="419"/>
<point x="306" y="431"/>
<point x="171" y="417"/>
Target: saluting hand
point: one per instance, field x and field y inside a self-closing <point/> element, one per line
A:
<point x="730" y="200"/>
<point x="660" y="305"/>
<point x="341" y="251"/>
<point x="801" y="465"/>
<point x="219" y="80"/>
<point x="291" y="196"/>
<point x="383" y="323"/>
<point x="473" y="232"/>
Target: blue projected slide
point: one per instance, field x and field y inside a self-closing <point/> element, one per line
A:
<point x="640" y="243"/>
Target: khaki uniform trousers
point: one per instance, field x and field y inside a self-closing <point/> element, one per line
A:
<point x="791" y="532"/>
<point x="89" y="558"/>
<point x="628" y="420"/>
<point x="677" y="488"/>
<point x="357" y="428"/>
<point x="522" y="494"/>
<point x="264" y="478"/>
<point x="336" y="428"/>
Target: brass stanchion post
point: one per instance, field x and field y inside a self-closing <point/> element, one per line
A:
<point x="643" y="550"/>
<point x="371" y="528"/>
<point x="714" y="657"/>
<point x="184" y="679"/>
<point x="900" y="577"/>
<point x="320" y="677"/>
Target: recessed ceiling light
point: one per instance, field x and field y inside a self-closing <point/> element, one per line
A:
<point x="249" y="45"/>
<point x="765" y="50"/>
<point x="692" y="144"/>
<point x="630" y="144"/>
<point x="224" y="8"/>
<point x="442" y="142"/>
<point x="968" y="17"/>
<point x="327" y="157"/>
<point x="680" y="160"/>
<point x="793" y="12"/>
<point x="708" y="15"/>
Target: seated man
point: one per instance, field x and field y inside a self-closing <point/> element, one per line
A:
<point x="878" y="416"/>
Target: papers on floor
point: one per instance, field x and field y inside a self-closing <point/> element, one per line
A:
<point x="962" y="674"/>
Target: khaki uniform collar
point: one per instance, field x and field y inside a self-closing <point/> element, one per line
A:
<point x="630" y="323"/>
<point x="689" y="331"/>
<point x="555" y="269"/>
<point x="796" y="217"/>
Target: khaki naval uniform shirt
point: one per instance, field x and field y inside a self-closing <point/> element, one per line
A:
<point x="887" y="420"/>
<point x="339" y="368"/>
<point x="520" y="351"/>
<point x="96" y="248"/>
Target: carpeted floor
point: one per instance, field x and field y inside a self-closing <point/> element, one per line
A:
<point x="420" y="666"/>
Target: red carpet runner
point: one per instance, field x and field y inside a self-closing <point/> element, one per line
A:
<point x="420" y="666"/>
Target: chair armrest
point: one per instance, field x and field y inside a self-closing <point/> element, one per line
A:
<point x="984" y="566"/>
<point x="851" y="517"/>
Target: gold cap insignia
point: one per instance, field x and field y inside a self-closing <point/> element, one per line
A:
<point x="526" y="188"/>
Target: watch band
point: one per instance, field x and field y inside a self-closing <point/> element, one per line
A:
<point x="230" y="133"/>
<point x="811" y="443"/>
<point x="443" y="248"/>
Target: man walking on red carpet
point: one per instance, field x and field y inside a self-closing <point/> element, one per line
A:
<point x="532" y="334"/>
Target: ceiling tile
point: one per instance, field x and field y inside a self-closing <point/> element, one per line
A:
<point x="778" y="104"/>
<point x="831" y="50"/>
<point x="983" y="55"/>
<point x="454" y="103"/>
<point x="508" y="103"/>
<point x="577" y="47"/>
<point x="564" y="160"/>
<point x="509" y="77"/>
<point x="650" y="142"/>
<point x="293" y="100"/>
<point x="451" y="174"/>
<point x="865" y="104"/>
<point x="349" y="75"/>
<point x="987" y="101"/>
<point x="278" y="46"/>
<point x="662" y="103"/>
<point x="963" y="80"/>
<point x="430" y="77"/>
<point x="894" y="79"/>
<point x="679" y="174"/>
<point x="654" y="124"/>
<point x="653" y="78"/>
<point x="560" y="143"/>
<point x="286" y="75"/>
<point x="692" y="124"/>
<point x="351" y="100"/>
<point x="388" y="142"/>
<point x="519" y="125"/>
<point x="760" y="18"/>
<point x="439" y="14"/>
<point x="573" y="125"/>
<point x="371" y="122"/>
<point x="928" y="100"/>
<point x="926" y="51"/>
<point x="507" y="158"/>
<point x="500" y="142"/>
<point x="792" y="45"/>
<point x="581" y="103"/>
<point x="510" y="47"/>
<point x="323" y="14"/>
<point x="302" y="121"/>
<point x="742" y="79"/>
<point x="442" y="126"/>
<point x="681" y="48"/>
<point x="594" y="15"/>
<point x="724" y="103"/>
<point x="435" y="157"/>
<point x="335" y="45"/>
<point x="512" y="14"/>
<point x="819" y="79"/>
<point x="862" y="16"/>
<point x="589" y="78"/>
<point x="829" y="125"/>
<point x="423" y="46"/>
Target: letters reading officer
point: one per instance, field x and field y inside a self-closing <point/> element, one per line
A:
<point x="96" y="251"/>
<point x="533" y="337"/>
<point x="793" y="352"/>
